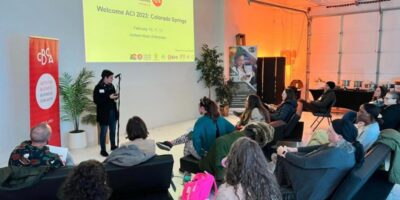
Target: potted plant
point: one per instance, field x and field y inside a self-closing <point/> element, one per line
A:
<point x="210" y="66"/>
<point x="225" y="92"/>
<point x="75" y="102"/>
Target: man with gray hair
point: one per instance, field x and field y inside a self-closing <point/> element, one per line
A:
<point x="34" y="152"/>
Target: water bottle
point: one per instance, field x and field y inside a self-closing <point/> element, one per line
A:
<point x="186" y="177"/>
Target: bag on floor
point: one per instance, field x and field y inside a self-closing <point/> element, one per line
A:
<point x="199" y="188"/>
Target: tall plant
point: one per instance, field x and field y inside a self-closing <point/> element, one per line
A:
<point x="210" y="66"/>
<point x="75" y="97"/>
<point x="225" y="92"/>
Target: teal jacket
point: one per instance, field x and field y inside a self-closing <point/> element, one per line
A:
<point x="205" y="132"/>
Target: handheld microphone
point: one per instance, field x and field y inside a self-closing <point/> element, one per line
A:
<point x="117" y="76"/>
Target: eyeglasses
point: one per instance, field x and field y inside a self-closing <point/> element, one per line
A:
<point x="388" y="98"/>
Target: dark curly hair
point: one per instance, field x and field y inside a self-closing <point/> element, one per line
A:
<point x="136" y="128"/>
<point x="247" y="163"/>
<point x="86" y="181"/>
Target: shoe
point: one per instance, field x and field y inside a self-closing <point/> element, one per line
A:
<point x="104" y="153"/>
<point x="237" y="114"/>
<point x="164" y="145"/>
<point x="113" y="147"/>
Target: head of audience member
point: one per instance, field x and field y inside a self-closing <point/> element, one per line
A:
<point x="246" y="163"/>
<point x="260" y="132"/>
<point x="209" y="108"/>
<point x="391" y="98"/>
<point x="288" y="95"/>
<point x="342" y="131"/>
<point x="88" y="180"/>
<point x="330" y="85"/>
<point x="136" y="128"/>
<point x="379" y="93"/>
<point x="107" y="76"/>
<point x="253" y="101"/>
<point x="368" y="113"/>
<point x="40" y="134"/>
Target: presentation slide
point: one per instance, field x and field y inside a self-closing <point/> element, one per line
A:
<point x="138" y="30"/>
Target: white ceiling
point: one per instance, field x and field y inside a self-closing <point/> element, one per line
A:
<point x="304" y="4"/>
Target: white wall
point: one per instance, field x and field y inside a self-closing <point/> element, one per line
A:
<point x="161" y="93"/>
<point x="360" y="41"/>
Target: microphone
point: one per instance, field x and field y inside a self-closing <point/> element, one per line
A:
<point x="117" y="76"/>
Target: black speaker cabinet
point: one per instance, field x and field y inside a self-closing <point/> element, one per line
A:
<point x="271" y="79"/>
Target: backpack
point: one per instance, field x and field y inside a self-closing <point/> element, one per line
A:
<point x="199" y="188"/>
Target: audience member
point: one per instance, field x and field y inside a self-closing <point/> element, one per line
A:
<point x="378" y="96"/>
<point x="139" y="149"/>
<point x="206" y="129"/>
<point x="247" y="176"/>
<point x="391" y="111"/>
<point x="314" y="172"/>
<point x="34" y="152"/>
<point x="287" y="108"/>
<point x="366" y="121"/>
<point x="254" y="111"/>
<point x="323" y="102"/>
<point x="88" y="181"/>
<point x="260" y="132"/>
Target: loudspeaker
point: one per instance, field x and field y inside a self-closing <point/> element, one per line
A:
<point x="271" y="79"/>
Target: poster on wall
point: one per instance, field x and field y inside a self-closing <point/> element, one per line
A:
<point x="242" y="70"/>
<point x="43" y="85"/>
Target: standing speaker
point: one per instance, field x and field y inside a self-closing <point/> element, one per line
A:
<point x="271" y="79"/>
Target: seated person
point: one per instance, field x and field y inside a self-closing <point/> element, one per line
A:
<point x="34" y="152"/>
<point x="260" y="132"/>
<point x="88" y="180"/>
<point x="314" y="172"/>
<point x="286" y="109"/>
<point x="139" y="149"/>
<point x="254" y="111"/>
<point x="206" y="129"/>
<point x="367" y="123"/>
<point x="378" y="96"/>
<point x="322" y="103"/>
<point x="391" y="111"/>
<point x="247" y="176"/>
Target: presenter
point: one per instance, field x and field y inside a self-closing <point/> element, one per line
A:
<point x="104" y="96"/>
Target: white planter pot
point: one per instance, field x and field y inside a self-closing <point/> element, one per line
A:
<point x="77" y="140"/>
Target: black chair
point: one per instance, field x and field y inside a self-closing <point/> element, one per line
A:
<point x="357" y="184"/>
<point x="322" y="115"/>
<point x="189" y="164"/>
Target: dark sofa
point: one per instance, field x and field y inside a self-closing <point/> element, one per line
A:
<point x="149" y="180"/>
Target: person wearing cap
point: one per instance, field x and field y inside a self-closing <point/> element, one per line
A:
<point x="323" y="102"/>
<point x="314" y="172"/>
<point x="260" y="132"/>
<point x="104" y="96"/>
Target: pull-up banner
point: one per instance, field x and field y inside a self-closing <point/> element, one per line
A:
<point x="43" y="85"/>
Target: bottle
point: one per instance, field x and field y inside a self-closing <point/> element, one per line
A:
<point x="186" y="177"/>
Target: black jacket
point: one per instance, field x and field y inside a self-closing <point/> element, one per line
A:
<point x="285" y="111"/>
<point x="101" y="97"/>
<point x="325" y="101"/>
<point x="391" y="117"/>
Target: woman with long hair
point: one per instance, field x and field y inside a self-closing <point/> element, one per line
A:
<point x="254" y="111"/>
<point x="247" y="176"/>
<point x="138" y="149"/>
<point x="206" y="129"/>
<point x="287" y="108"/>
<point x="378" y="96"/>
<point x="313" y="172"/>
<point x="88" y="180"/>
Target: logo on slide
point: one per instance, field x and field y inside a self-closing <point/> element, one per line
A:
<point x="157" y="2"/>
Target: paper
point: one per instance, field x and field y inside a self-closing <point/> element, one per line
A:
<point x="61" y="151"/>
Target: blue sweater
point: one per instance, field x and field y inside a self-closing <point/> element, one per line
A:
<point x="205" y="132"/>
